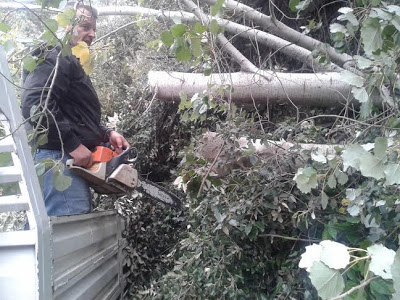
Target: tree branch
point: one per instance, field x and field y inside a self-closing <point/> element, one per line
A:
<point x="269" y="40"/>
<point x="245" y="64"/>
<point x="355" y="288"/>
<point x="279" y="29"/>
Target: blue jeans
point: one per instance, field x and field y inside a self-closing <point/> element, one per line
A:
<point x="76" y="199"/>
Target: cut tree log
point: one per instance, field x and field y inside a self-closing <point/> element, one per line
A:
<point x="316" y="89"/>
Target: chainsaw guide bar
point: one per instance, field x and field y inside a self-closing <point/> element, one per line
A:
<point x="117" y="176"/>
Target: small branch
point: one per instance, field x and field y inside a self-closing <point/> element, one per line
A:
<point x="288" y="238"/>
<point x="278" y="28"/>
<point x="272" y="41"/>
<point x="351" y="120"/>
<point x="353" y="289"/>
<point x="209" y="170"/>
<point x="245" y="64"/>
<point x="116" y="30"/>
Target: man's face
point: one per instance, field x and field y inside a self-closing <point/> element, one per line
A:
<point x="85" y="30"/>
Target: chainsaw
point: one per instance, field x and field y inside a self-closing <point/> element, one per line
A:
<point x="113" y="173"/>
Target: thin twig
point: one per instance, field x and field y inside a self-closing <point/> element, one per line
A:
<point x="355" y="288"/>
<point x="209" y="170"/>
<point x="288" y="238"/>
<point x="352" y="120"/>
<point x="116" y="30"/>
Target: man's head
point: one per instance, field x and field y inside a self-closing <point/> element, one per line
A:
<point x="85" y="29"/>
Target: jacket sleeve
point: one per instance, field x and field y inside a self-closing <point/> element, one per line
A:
<point x="105" y="132"/>
<point x="35" y="92"/>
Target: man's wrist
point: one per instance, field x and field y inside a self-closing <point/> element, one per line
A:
<point x="108" y="134"/>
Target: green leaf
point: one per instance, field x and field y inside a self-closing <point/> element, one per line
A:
<point x="197" y="51"/>
<point x="341" y="177"/>
<point x="178" y="30"/>
<point x="396" y="274"/>
<point x="380" y="287"/>
<point x="198" y="28"/>
<point x="371" y="166"/>
<point x="42" y="140"/>
<point x="293" y="4"/>
<point x="392" y="174"/>
<point x="29" y="63"/>
<point x="324" y="200"/>
<point x="214" y="27"/>
<point x="207" y="72"/>
<point x="360" y="94"/>
<point x="50" y="38"/>
<point x="352" y="79"/>
<point x="365" y="109"/>
<point x="351" y="156"/>
<point x="381" y="144"/>
<point x="216" y="8"/>
<point x="51" y="24"/>
<point x="65" y="18"/>
<point x="347" y="15"/>
<point x="318" y="156"/>
<point x="303" y="5"/>
<point x="396" y="22"/>
<point x="60" y="181"/>
<point x="182" y="52"/>
<point x="328" y="282"/>
<point x="362" y="62"/>
<point x="4" y="27"/>
<point x="40" y="169"/>
<point x="332" y="231"/>
<point x="338" y="28"/>
<point x="334" y="255"/>
<point x="167" y="38"/>
<point x="382" y="259"/>
<point x="371" y="35"/>
<point x="375" y="2"/>
<point x="306" y="179"/>
<point x="380" y="14"/>
<point x="331" y="181"/>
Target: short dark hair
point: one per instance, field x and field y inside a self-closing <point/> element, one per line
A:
<point x="90" y="8"/>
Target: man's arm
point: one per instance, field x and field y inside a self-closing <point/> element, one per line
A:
<point x="36" y="88"/>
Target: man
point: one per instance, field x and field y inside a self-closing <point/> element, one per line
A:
<point x="72" y="117"/>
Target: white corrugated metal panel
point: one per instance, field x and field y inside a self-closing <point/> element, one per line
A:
<point x="17" y="265"/>
<point x="86" y="262"/>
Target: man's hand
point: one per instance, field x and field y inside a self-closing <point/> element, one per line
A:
<point x="118" y="142"/>
<point x="82" y="156"/>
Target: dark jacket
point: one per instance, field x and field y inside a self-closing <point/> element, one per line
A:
<point x="73" y="103"/>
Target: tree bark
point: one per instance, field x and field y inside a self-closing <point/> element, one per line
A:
<point x="279" y="29"/>
<point x="271" y="41"/>
<point x="317" y="89"/>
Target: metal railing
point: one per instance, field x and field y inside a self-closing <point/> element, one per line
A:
<point x="68" y="257"/>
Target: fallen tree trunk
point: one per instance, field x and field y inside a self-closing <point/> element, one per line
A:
<point x="280" y="29"/>
<point x="269" y="40"/>
<point x="317" y="89"/>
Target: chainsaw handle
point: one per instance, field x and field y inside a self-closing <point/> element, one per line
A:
<point x="125" y="157"/>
